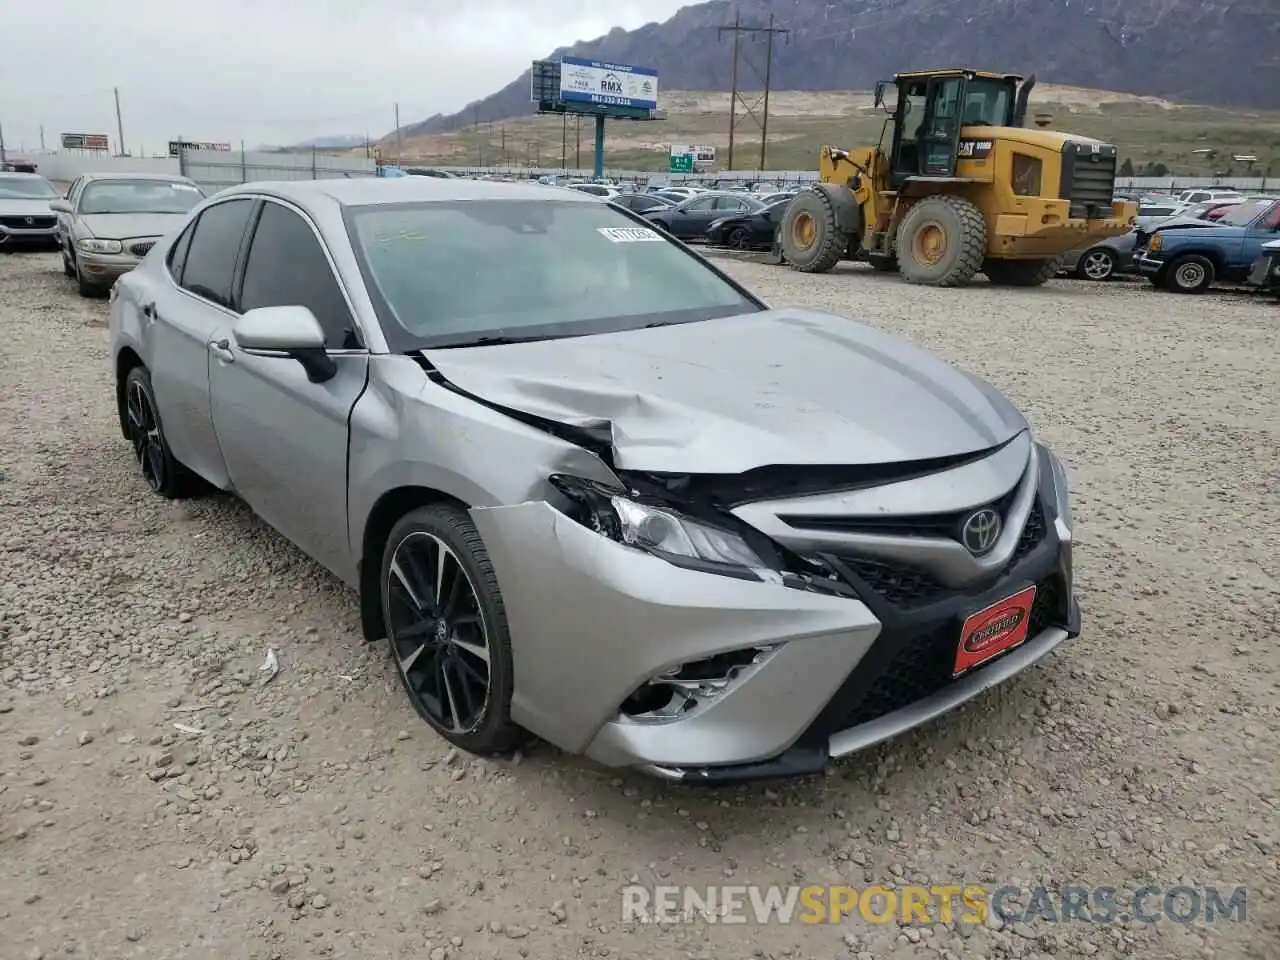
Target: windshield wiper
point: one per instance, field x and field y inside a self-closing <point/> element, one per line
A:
<point x="488" y="341"/>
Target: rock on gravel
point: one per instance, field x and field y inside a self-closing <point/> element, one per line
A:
<point x="202" y="815"/>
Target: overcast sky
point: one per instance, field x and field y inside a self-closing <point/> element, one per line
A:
<point x="272" y="71"/>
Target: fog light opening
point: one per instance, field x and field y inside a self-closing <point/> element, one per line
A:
<point x="687" y="686"/>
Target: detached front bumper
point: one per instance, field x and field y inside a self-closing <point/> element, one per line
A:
<point x="592" y="621"/>
<point x="1148" y="265"/>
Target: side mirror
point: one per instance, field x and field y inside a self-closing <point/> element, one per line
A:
<point x="293" y="331"/>
<point x="60" y="206"/>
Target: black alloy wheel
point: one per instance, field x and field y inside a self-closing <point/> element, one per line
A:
<point x="446" y="628"/>
<point x="163" y="473"/>
<point x="740" y="238"/>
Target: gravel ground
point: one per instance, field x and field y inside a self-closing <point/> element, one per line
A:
<point x="314" y="817"/>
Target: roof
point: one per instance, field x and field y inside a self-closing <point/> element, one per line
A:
<point x="956" y="71"/>
<point x="135" y="175"/>
<point x="359" y="191"/>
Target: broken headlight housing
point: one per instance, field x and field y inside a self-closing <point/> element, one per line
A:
<point x="663" y="531"/>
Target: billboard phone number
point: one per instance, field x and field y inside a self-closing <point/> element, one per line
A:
<point x="612" y="101"/>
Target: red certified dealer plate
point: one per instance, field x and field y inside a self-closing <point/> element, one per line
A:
<point x="993" y="630"/>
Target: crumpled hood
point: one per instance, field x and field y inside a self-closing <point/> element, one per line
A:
<point x="781" y="387"/>
<point x="126" y="226"/>
<point x="26" y="208"/>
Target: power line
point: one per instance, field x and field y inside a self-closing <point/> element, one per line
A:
<point x="736" y="97"/>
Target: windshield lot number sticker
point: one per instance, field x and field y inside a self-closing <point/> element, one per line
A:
<point x="629" y="234"/>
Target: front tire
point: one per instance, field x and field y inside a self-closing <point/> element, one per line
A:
<point x="811" y="240"/>
<point x="1189" y="274"/>
<point x="1022" y="273"/>
<point x="163" y="473"/>
<point x="446" y="629"/>
<point x="739" y="239"/>
<point x="941" y="242"/>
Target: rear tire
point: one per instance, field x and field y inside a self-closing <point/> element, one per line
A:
<point x="941" y="242"/>
<point x="811" y="240"/>
<point x="739" y="239"/>
<point x="1189" y="274"/>
<point x="1097" y="264"/>
<point x="162" y="471"/>
<point x="1022" y="273"/>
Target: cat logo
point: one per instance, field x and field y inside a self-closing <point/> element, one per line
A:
<point x="611" y="84"/>
<point x="974" y="149"/>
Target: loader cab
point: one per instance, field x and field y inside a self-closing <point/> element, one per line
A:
<point x="931" y="108"/>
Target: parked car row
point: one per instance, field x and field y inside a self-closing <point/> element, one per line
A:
<point x="104" y="225"/>
<point x="1222" y="236"/>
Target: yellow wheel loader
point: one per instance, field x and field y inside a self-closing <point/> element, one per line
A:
<point x="964" y="188"/>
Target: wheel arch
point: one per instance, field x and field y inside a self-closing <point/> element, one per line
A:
<point x="1212" y="254"/>
<point x="127" y="359"/>
<point x="386" y="511"/>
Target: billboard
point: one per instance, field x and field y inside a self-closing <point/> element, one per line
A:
<point x="700" y="154"/>
<point x="176" y="146"/>
<point x="85" y="141"/>
<point x="608" y="84"/>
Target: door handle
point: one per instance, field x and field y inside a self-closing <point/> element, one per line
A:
<point x="222" y="350"/>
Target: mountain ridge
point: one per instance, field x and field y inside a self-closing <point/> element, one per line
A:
<point x="1212" y="52"/>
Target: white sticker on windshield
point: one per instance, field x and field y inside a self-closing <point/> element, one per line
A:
<point x="629" y="234"/>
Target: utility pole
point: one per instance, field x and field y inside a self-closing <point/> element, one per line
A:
<point x="564" y="139"/>
<point x="577" y="160"/>
<point x="399" y="138"/>
<point x="42" y="138"/>
<point x="1" y="146"/>
<point x="503" y="130"/>
<point x="735" y="97"/>
<point x="119" y="124"/>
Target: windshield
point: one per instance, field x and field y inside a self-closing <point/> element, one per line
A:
<point x="987" y="103"/>
<point x="139" y="196"/>
<point x="26" y="188"/>
<point x="1243" y="215"/>
<point x="447" y="274"/>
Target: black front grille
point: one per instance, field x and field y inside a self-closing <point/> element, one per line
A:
<point x="901" y="669"/>
<point x="1088" y="178"/>
<point x="908" y="587"/>
<point x="140" y="249"/>
<point x="29" y="223"/>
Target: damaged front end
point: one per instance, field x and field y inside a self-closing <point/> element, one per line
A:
<point x="717" y="627"/>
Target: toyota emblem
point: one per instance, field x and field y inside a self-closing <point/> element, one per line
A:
<point x="980" y="531"/>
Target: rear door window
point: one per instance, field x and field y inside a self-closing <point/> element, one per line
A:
<point x="214" y="247"/>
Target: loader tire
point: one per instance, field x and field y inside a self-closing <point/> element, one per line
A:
<point x="811" y="240"/>
<point x="941" y="242"/>
<point x="1022" y="273"/>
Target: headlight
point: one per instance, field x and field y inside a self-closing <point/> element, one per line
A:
<point x="664" y="532"/>
<point x="1157" y="241"/>
<point x="94" y="245"/>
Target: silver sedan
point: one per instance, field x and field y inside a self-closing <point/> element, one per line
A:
<point x="587" y="486"/>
